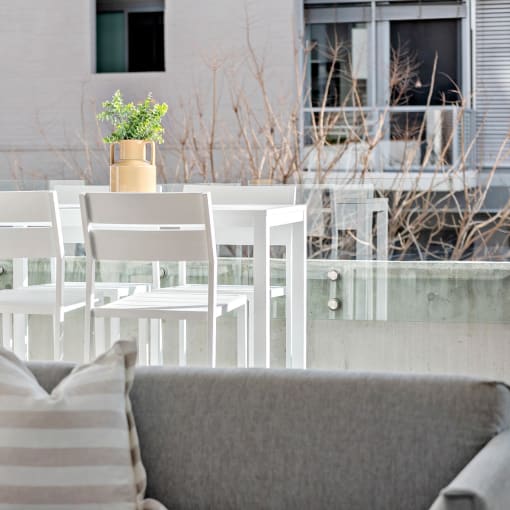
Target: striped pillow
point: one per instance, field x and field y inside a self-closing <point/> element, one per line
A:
<point x="77" y="448"/>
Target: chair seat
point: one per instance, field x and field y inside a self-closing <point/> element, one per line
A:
<point x="247" y="290"/>
<point x="39" y="299"/>
<point x="168" y="303"/>
<point x="111" y="290"/>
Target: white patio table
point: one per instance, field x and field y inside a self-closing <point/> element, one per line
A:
<point x="263" y="226"/>
<point x="260" y="226"/>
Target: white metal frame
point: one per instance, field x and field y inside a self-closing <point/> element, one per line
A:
<point x="230" y="194"/>
<point x="68" y="194"/>
<point x="30" y="228"/>
<point x="153" y="227"/>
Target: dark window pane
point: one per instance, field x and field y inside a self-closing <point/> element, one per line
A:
<point x="146" y="41"/>
<point x="420" y="41"/>
<point x="337" y="68"/>
<point x="110" y="42"/>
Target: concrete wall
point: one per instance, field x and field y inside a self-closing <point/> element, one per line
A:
<point x="49" y="91"/>
<point x="441" y="318"/>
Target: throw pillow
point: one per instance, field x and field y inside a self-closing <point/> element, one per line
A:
<point x="76" y="448"/>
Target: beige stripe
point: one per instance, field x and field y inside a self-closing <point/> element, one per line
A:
<point x="9" y="389"/>
<point x="41" y="457"/>
<point x="78" y="403"/>
<point x="70" y="476"/>
<point x="84" y="506"/>
<point x="63" y="438"/>
<point x="63" y="419"/>
<point x="8" y="375"/>
<point x="67" y="495"/>
<point x="105" y="387"/>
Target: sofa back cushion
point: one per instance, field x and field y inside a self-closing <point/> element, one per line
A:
<point x="252" y="439"/>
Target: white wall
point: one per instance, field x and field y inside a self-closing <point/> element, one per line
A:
<point x="49" y="91"/>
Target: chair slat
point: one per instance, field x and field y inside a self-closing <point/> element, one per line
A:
<point x="70" y="193"/>
<point x="148" y="245"/>
<point x="30" y="242"/>
<point x="72" y="230"/>
<point x="231" y="194"/>
<point x="25" y="206"/>
<point x="145" y="208"/>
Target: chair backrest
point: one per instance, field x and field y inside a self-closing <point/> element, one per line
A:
<point x="352" y="193"/>
<point x="30" y="225"/>
<point x="70" y="193"/>
<point x="148" y="226"/>
<point x="227" y="194"/>
<point x="69" y="200"/>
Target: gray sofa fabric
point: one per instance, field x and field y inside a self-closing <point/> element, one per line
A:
<point x="281" y="439"/>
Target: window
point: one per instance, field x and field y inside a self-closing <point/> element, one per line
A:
<point x="338" y="64"/>
<point x="367" y="38"/>
<point x="371" y="61"/>
<point x="337" y="74"/>
<point x="129" y="36"/>
<point x="421" y="41"/>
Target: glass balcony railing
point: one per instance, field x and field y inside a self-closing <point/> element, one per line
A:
<point x="383" y="139"/>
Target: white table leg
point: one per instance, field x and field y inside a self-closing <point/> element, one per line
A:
<point x="262" y="351"/>
<point x="242" y="337"/>
<point x="289" y="297"/>
<point x="183" y="344"/>
<point x="20" y="321"/>
<point x="297" y="317"/>
<point x="155" y="342"/>
<point x="251" y="332"/>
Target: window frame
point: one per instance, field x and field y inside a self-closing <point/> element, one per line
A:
<point x="378" y="17"/>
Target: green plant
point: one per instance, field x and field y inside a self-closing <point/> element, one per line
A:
<point x="131" y="121"/>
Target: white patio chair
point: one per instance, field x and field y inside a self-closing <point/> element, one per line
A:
<point x="153" y="227"/>
<point x="348" y="207"/>
<point x="30" y="228"/>
<point x="68" y="193"/>
<point x="351" y="207"/>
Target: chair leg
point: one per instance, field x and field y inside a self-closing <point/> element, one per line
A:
<point x="7" y="330"/>
<point x="183" y="344"/>
<point x="87" y="335"/>
<point x="99" y="335"/>
<point x="156" y="355"/>
<point x="114" y="330"/>
<point x="20" y="335"/>
<point x="211" y="344"/>
<point x="143" y="326"/>
<point x="242" y="337"/>
<point x="58" y="336"/>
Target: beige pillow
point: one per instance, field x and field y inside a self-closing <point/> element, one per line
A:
<point x="76" y="448"/>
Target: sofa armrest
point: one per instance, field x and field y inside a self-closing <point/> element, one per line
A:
<point x="484" y="484"/>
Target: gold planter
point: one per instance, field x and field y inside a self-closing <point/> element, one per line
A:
<point x="132" y="172"/>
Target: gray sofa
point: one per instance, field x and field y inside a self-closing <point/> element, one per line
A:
<point x="275" y="439"/>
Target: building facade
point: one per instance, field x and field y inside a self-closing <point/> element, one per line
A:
<point x="61" y="59"/>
